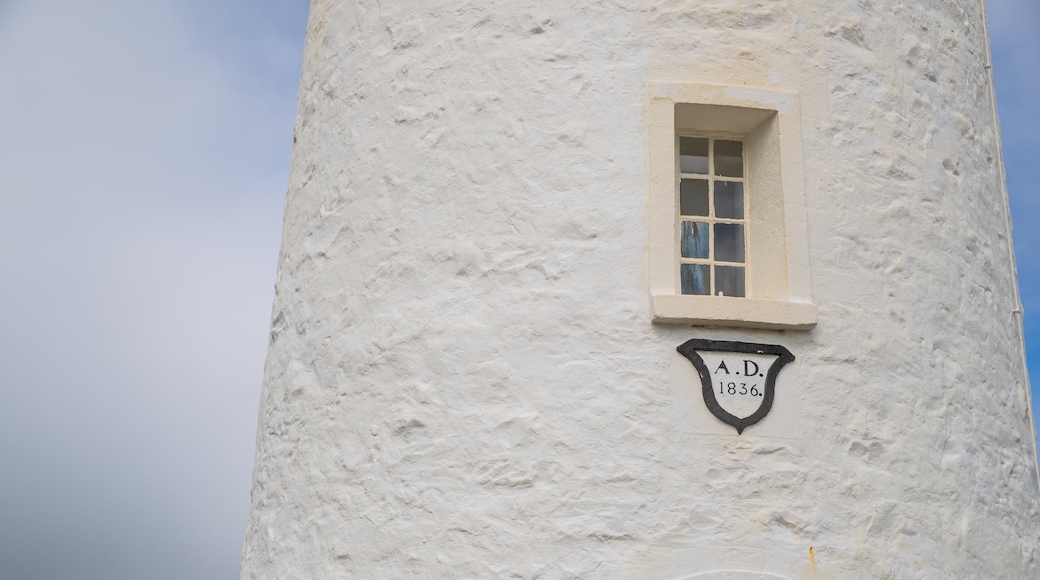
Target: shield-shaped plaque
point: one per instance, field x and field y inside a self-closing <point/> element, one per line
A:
<point x="738" y="379"/>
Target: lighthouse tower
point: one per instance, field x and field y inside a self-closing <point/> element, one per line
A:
<point x="664" y="289"/>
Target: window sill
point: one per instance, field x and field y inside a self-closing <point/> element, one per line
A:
<point x="733" y="312"/>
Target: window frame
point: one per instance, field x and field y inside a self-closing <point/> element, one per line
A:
<point x="711" y="219"/>
<point x="777" y="285"/>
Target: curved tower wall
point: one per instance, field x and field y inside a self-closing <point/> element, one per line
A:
<point x="464" y="379"/>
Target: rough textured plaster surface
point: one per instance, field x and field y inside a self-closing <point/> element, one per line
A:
<point x="463" y="380"/>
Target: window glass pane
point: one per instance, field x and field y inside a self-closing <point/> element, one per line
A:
<point x="696" y="278"/>
<point x="693" y="197"/>
<point x="729" y="280"/>
<point x="693" y="155"/>
<point x="694" y="241"/>
<point x="729" y="242"/>
<point x="729" y="158"/>
<point x="729" y="200"/>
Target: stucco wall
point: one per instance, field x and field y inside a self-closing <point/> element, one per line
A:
<point x="463" y="379"/>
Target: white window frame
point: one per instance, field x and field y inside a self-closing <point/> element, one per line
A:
<point x="777" y="285"/>
<point x="711" y="219"/>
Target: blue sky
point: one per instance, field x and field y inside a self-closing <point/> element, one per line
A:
<point x="144" y="150"/>
<point x="1015" y="47"/>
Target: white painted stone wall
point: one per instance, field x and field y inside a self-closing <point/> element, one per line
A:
<point x="463" y="379"/>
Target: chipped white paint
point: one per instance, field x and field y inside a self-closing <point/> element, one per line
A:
<point x="464" y="380"/>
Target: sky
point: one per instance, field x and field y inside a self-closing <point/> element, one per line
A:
<point x="1015" y="48"/>
<point x="144" y="154"/>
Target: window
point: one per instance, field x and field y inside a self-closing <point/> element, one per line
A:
<point x="728" y="240"/>
<point x="711" y="216"/>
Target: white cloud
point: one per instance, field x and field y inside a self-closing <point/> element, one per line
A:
<point x="142" y="175"/>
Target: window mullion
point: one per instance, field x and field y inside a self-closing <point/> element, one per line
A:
<point x="711" y="217"/>
<point x="745" y="199"/>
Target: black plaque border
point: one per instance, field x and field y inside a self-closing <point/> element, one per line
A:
<point x="689" y="350"/>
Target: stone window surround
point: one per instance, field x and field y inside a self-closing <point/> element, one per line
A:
<point x="778" y="262"/>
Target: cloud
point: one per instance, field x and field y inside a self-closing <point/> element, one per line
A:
<point x="142" y="178"/>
